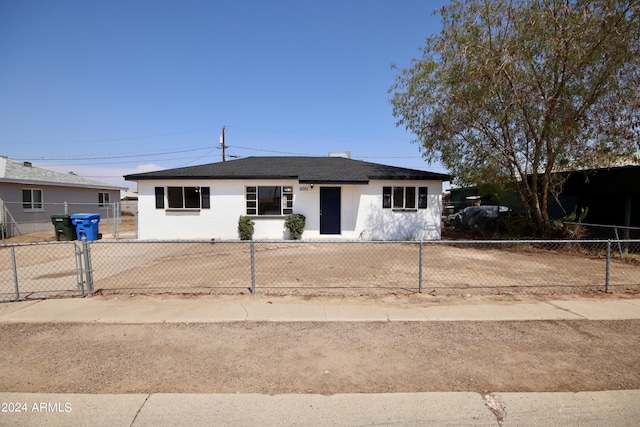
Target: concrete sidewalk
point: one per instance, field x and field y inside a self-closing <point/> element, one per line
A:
<point x="143" y="309"/>
<point x="599" y="408"/>
<point x="611" y="408"/>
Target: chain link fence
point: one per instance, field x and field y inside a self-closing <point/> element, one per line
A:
<point x="616" y="233"/>
<point x="115" y="221"/>
<point x="313" y="268"/>
<point x="42" y="270"/>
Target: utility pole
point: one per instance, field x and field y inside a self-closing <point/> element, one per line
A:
<point x="222" y="143"/>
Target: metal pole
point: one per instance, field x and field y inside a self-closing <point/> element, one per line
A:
<point x="79" y="269"/>
<point x="608" y="268"/>
<point x="87" y="264"/>
<point x="253" y="269"/>
<point x="615" y="229"/>
<point x="420" y="269"/>
<point x="3" y="215"/>
<point x="115" y="219"/>
<point x="15" y="272"/>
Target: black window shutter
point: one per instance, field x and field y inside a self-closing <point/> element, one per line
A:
<point x="386" y="197"/>
<point x="422" y="198"/>
<point x="206" y="203"/>
<point x="159" y="197"/>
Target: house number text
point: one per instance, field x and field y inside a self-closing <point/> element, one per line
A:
<point x="304" y="188"/>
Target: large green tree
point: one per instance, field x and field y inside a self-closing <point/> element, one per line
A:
<point x="511" y="91"/>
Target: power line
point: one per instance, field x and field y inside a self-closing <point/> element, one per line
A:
<point x="118" y="163"/>
<point x="128" y="156"/>
<point x="321" y="155"/>
<point x="110" y="139"/>
<point x="196" y="159"/>
<point x="284" y="132"/>
<point x="274" y="151"/>
<point x="388" y="157"/>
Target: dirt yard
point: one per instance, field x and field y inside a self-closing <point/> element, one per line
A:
<point x="126" y="230"/>
<point x="316" y="357"/>
<point x="318" y="268"/>
<point x="358" y="268"/>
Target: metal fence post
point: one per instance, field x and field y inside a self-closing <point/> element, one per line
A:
<point x="253" y="269"/>
<point x="615" y="229"/>
<point x="87" y="265"/>
<point x="79" y="272"/>
<point x="116" y="218"/>
<point x="15" y="271"/>
<point x="608" y="268"/>
<point x="420" y="269"/>
<point x="4" y="229"/>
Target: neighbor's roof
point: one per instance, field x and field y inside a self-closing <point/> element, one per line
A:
<point x="319" y="170"/>
<point x="25" y="173"/>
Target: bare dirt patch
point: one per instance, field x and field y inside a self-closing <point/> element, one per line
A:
<point x="316" y="357"/>
<point x="356" y="268"/>
<point x="319" y="268"/>
<point x="127" y="229"/>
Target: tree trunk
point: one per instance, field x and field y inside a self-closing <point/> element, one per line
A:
<point x="538" y="217"/>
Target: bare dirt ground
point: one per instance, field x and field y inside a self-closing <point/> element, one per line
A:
<point x="328" y="358"/>
<point x="317" y="357"/>
<point x="126" y="229"/>
<point x="329" y="268"/>
<point x="315" y="268"/>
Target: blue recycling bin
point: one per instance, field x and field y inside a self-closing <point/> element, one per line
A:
<point x="86" y="225"/>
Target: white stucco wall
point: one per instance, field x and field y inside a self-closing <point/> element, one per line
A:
<point x="375" y="223"/>
<point x="362" y="216"/>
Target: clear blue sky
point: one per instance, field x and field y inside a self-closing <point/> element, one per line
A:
<point x="106" y="88"/>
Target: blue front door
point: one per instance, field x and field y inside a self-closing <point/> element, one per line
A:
<point x="329" y="210"/>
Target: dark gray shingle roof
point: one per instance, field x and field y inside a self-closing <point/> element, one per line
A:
<point x="327" y="170"/>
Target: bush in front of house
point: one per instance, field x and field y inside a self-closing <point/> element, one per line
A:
<point x="295" y="225"/>
<point x="245" y="227"/>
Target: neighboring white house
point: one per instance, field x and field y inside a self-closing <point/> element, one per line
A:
<point x="340" y="198"/>
<point x="29" y="195"/>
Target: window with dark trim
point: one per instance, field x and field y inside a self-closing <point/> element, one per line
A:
<point x="422" y="197"/>
<point x="31" y="199"/>
<point x="404" y="198"/>
<point x="386" y="197"/>
<point x="205" y="197"/>
<point x="159" y="197"/>
<point x="271" y="200"/>
<point x="103" y="200"/>
<point x="183" y="197"/>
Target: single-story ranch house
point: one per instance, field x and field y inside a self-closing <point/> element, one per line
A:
<point x="340" y="197"/>
<point x="29" y="195"/>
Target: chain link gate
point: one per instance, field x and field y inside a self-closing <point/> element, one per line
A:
<point x="44" y="270"/>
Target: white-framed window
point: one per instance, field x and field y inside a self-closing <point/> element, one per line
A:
<point x="404" y="198"/>
<point x="273" y="200"/>
<point x="103" y="200"/>
<point x="183" y="197"/>
<point x="32" y="199"/>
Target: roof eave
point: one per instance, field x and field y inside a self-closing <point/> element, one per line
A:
<point x="59" y="184"/>
<point x="412" y="178"/>
<point x="333" y="182"/>
<point x="208" y="177"/>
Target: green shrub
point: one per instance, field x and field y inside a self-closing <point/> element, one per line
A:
<point x="245" y="227"/>
<point x="295" y="225"/>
